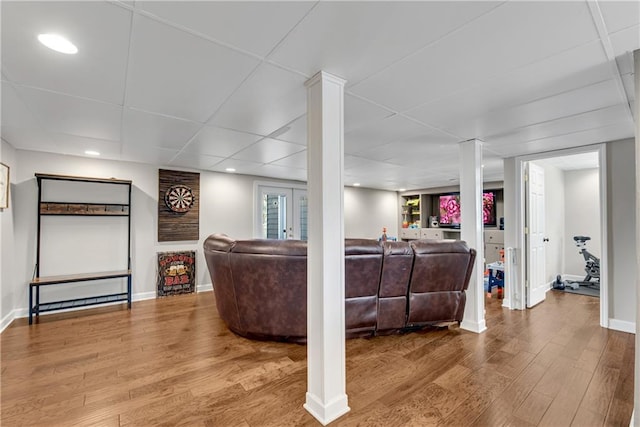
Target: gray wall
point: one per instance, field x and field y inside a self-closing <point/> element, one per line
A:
<point x="366" y="211"/>
<point x="7" y="239"/>
<point x="621" y="224"/>
<point x="582" y="208"/>
<point x="226" y="205"/>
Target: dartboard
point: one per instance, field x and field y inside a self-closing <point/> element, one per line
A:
<point x="179" y="198"/>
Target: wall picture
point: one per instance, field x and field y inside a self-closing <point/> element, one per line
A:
<point x="176" y="273"/>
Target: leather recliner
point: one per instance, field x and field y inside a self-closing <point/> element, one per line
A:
<point x="261" y="285"/>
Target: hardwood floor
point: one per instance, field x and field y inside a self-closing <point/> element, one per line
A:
<point x="173" y="362"/>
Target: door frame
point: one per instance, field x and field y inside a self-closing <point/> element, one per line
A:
<point x="257" y="202"/>
<point x="520" y="273"/>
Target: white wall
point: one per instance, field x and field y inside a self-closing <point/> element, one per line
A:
<point x="621" y="223"/>
<point x="226" y="206"/>
<point x="554" y="200"/>
<point x="366" y="211"/>
<point x="7" y="258"/>
<point x="582" y="209"/>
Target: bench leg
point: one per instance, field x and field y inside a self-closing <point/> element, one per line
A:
<point x="30" y="304"/>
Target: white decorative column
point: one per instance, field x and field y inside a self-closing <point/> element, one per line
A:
<point x="471" y="231"/>
<point x="326" y="397"/>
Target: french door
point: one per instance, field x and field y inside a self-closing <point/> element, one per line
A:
<point x="281" y="213"/>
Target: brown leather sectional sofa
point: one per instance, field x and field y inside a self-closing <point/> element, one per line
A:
<point x="261" y="285"/>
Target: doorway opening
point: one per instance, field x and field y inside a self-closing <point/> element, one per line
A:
<point x="571" y="202"/>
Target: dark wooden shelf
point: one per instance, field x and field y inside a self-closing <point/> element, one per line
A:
<point x="86" y="209"/>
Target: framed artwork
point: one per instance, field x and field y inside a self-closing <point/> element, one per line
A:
<point x="4" y="186"/>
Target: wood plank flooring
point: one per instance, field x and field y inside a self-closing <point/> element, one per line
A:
<point x="173" y="362"/>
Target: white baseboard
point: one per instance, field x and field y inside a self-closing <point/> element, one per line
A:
<point x="204" y="288"/>
<point x="622" y="326"/>
<point x="477" y="327"/>
<point x="633" y="414"/>
<point x="24" y="312"/>
<point x="6" y="320"/>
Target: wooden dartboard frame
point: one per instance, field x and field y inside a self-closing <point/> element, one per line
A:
<point x="180" y="223"/>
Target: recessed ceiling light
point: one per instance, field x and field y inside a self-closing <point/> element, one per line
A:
<point x="91" y="153"/>
<point x="57" y="43"/>
<point x="230" y="169"/>
<point x="356" y="184"/>
<point x="402" y="189"/>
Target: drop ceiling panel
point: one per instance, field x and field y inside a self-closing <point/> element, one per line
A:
<point x="275" y="171"/>
<point x="268" y="100"/>
<point x="195" y="161"/>
<point x="75" y="116"/>
<point x="567" y="125"/>
<point x="240" y="166"/>
<point x="421" y="76"/>
<point x="100" y="31"/>
<point x="296" y="132"/>
<point x="14" y="112"/>
<point x="267" y="151"/>
<point x="178" y="74"/>
<point x="233" y="23"/>
<point x="376" y="33"/>
<point x="390" y="129"/>
<point x="77" y="145"/>
<point x="511" y="36"/>
<point x="152" y="130"/>
<point x="214" y="141"/>
<point x="148" y="155"/>
<point x="360" y="112"/>
<point x="418" y="146"/>
<point x="28" y="138"/>
<point x="573" y="69"/>
<point x="431" y="161"/>
<point x="297" y="160"/>
<point x="590" y="98"/>
<point x="619" y="15"/>
<point x="593" y="136"/>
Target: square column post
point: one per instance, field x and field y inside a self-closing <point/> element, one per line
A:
<point x="326" y="397"/>
<point x="471" y="231"/>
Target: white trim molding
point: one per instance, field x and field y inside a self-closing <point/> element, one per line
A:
<point x="622" y="326"/>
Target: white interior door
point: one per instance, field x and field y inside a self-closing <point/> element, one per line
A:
<point x="282" y="213"/>
<point x="535" y="226"/>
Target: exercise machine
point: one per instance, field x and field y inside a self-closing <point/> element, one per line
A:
<point x="592" y="268"/>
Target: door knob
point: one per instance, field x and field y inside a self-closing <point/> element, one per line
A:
<point x="546" y="239"/>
